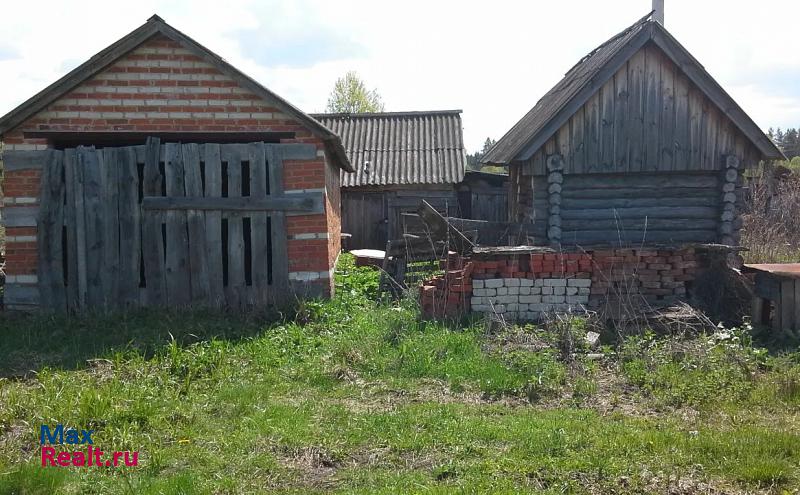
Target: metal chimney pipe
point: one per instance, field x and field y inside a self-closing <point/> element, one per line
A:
<point x="658" y="14"/>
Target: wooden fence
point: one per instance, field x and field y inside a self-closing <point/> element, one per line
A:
<point x="172" y="224"/>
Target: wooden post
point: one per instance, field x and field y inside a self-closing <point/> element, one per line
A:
<point x="555" y="167"/>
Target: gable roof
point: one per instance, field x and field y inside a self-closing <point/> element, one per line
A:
<point x="401" y="148"/>
<point x="593" y="70"/>
<point x="154" y="26"/>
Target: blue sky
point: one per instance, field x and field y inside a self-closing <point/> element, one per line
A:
<point x="492" y="60"/>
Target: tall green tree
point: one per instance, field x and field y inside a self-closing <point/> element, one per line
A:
<point x="474" y="159"/>
<point x="350" y="95"/>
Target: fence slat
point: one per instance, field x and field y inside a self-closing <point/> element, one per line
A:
<point x="70" y="220"/>
<point x="130" y="241"/>
<point x="179" y="288"/>
<point x="50" y="234"/>
<point x="280" y="259"/>
<point x="213" y="189"/>
<point x="259" y="239"/>
<point x="93" y="214"/>
<point x="231" y="154"/>
<point x="198" y="263"/>
<point x="152" y="240"/>
<point x="110" y="175"/>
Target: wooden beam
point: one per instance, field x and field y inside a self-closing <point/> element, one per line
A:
<point x="25" y="160"/>
<point x="19" y="216"/>
<point x="20" y="295"/>
<point x="308" y="203"/>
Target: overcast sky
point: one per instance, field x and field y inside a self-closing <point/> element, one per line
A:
<point x="493" y="60"/>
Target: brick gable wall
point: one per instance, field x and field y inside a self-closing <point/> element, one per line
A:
<point x="163" y="86"/>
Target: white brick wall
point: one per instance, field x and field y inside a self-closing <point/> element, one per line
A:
<point x="525" y="299"/>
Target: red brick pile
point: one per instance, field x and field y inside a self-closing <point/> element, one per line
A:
<point x="659" y="276"/>
<point x="447" y="295"/>
<point x="538" y="265"/>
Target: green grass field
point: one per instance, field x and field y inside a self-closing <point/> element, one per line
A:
<point x="356" y="396"/>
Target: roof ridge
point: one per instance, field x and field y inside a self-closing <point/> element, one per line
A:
<point x="381" y="114"/>
<point x="617" y="36"/>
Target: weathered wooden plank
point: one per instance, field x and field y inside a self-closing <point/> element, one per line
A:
<point x="50" y="234"/>
<point x="666" y="138"/>
<point x="652" y="108"/>
<point x="20" y="216"/>
<point x="236" y="291"/>
<point x="578" y="155"/>
<point x="564" y="145"/>
<point x="152" y="238"/>
<point x="259" y="226"/>
<point x="638" y="223"/>
<point x="592" y="135"/>
<point x="21" y="296"/>
<point x="636" y="88"/>
<point x="110" y="185"/>
<point x="787" y="303"/>
<point x="71" y="222"/>
<point x="682" y="138"/>
<point x="711" y="159"/>
<point x="177" y="245"/>
<point x="130" y="228"/>
<point x="298" y="151"/>
<point x="689" y="193"/>
<point x="645" y="200"/>
<point x="676" y="212"/>
<point x="198" y="262"/>
<point x="621" y="120"/>
<point x="25" y="160"/>
<point x="89" y="159"/>
<point x="608" y="97"/>
<point x="650" y="181"/>
<point x="279" y="255"/>
<point x="797" y="305"/>
<point x="213" y="189"/>
<point x="307" y="203"/>
<point x="695" y="123"/>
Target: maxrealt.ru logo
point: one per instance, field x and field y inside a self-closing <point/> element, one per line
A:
<point x="91" y="456"/>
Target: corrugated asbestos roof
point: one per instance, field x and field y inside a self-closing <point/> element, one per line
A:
<point x="582" y="80"/>
<point x="400" y="148"/>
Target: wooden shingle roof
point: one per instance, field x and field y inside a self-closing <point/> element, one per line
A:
<point x="593" y="70"/>
<point x="400" y="148"/>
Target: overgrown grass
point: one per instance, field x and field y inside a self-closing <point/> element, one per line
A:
<point x="353" y="395"/>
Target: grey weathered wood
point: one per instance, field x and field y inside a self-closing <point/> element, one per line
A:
<point x="91" y="169"/>
<point x="21" y="295"/>
<point x="682" y="144"/>
<point x="198" y="262"/>
<point x="797" y="305"/>
<point x="637" y="223"/>
<point x="636" y="85"/>
<point x="50" y="234"/>
<point x="666" y="136"/>
<point x="278" y="230"/>
<point x="620" y="202"/>
<point x="25" y="160"/>
<point x="213" y="189"/>
<point x="652" y="109"/>
<point x="110" y="184"/>
<point x="236" y="291"/>
<point x="621" y="120"/>
<point x="674" y="212"/>
<point x="592" y="135"/>
<point x="787" y="303"/>
<point x="648" y="181"/>
<point x="298" y="151"/>
<point x="177" y="246"/>
<point x="306" y="203"/>
<point x="20" y="216"/>
<point x="130" y="228"/>
<point x="607" y="99"/>
<point x="636" y="237"/>
<point x="70" y="220"/>
<point x="152" y="239"/>
<point x="259" y="233"/>
<point x="690" y="193"/>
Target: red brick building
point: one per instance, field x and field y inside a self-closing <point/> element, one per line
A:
<point x="158" y="82"/>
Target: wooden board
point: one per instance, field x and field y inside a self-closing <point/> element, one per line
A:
<point x="236" y="288"/>
<point x="130" y="233"/>
<point x="196" y="224"/>
<point x="259" y="226"/>
<point x="176" y="264"/>
<point x="213" y="189"/>
<point x="50" y="234"/>
<point x="152" y="239"/>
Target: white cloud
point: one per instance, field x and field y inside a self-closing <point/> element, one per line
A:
<point x="492" y="60"/>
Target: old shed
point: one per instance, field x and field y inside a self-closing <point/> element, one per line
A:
<point x="158" y="174"/>
<point x="399" y="159"/>
<point x="636" y="144"/>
